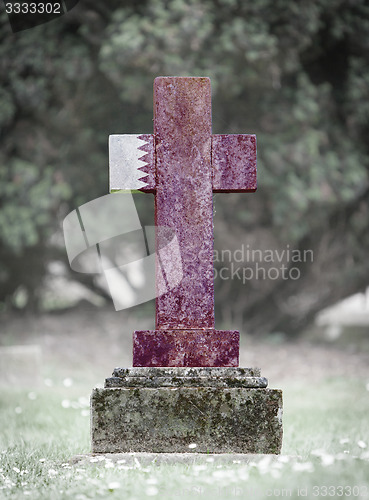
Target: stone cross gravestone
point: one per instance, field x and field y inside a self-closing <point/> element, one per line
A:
<point x="185" y="164"/>
<point x="185" y="385"/>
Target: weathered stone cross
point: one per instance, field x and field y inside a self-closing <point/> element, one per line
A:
<point x="183" y="165"/>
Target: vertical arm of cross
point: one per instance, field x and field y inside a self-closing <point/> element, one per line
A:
<point x="183" y="201"/>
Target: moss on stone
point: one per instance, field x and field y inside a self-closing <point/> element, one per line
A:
<point x="167" y="420"/>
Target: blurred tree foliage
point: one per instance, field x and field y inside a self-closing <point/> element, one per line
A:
<point x="294" y="73"/>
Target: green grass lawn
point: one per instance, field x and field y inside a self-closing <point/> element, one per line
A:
<point x="325" y="451"/>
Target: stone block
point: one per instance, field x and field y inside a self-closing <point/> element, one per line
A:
<point x="195" y="408"/>
<point x="189" y="347"/>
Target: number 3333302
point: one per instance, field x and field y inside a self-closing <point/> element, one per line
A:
<point x="34" y="8"/>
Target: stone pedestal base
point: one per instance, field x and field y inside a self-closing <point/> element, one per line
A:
<point x="169" y="410"/>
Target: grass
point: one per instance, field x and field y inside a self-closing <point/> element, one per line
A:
<point x="325" y="451"/>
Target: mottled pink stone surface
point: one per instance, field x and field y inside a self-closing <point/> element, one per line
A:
<point x="185" y="348"/>
<point x="184" y="197"/>
<point x="186" y="167"/>
<point x="234" y="163"/>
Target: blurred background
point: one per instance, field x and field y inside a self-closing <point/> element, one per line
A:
<point x="296" y="74"/>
